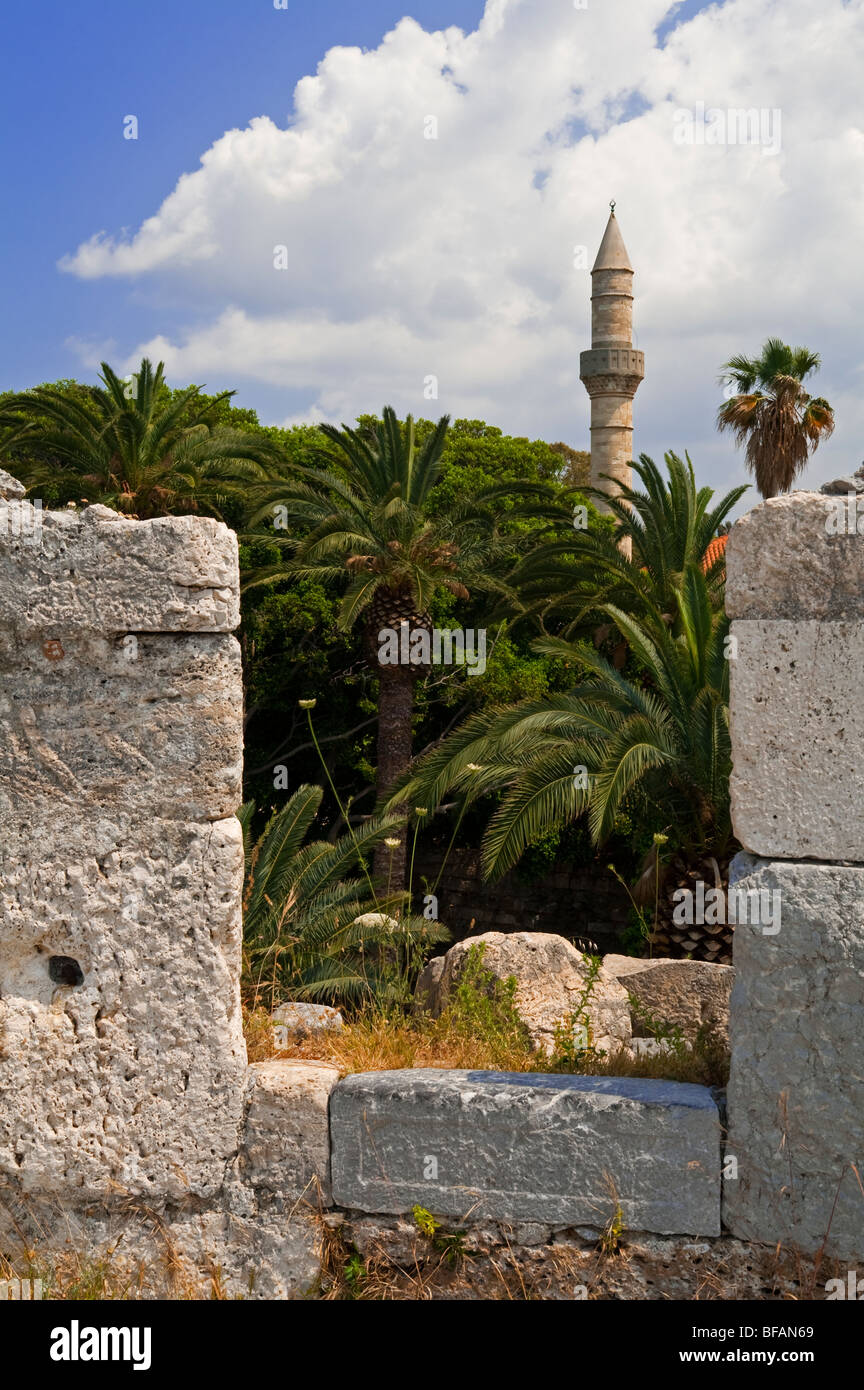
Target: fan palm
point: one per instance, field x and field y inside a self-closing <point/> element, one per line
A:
<point x="368" y="517"/>
<point x="772" y="416"/>
<point x="311" y="933"/>
<point x="661" y="741"/>
<point x="131" y="446"/>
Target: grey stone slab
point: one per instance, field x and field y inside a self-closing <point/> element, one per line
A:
<point x="61" y="571"/>
<point x="796" y="1090"/>
<point x="794" y="557"/>
<point x="528" y="1147"/>
<point x="797" y="726"/>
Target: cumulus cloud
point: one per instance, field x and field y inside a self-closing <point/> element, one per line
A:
<point x="456" y="257"/>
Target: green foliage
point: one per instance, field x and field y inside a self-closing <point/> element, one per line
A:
<point x="451" y="1244"/>
<point x="649" y="743"/>
<point x="773" y="417"/>
<point x="310" y="932"/>
<point x="483" y="1006"/>
<point x="355" y="1274"/>
<point x="668" y="523"/>
<point x="573" y="1039"/>
<point x="133" y="446"/>
<point x="669" y="1034"/>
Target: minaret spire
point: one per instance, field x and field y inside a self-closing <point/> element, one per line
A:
<point x="611" y="369"/>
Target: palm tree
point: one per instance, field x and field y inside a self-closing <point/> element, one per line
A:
<point x="772" y="416"/>
<point x="132" y="447"/>
<point x="660" y="741"/>
<point x="669" y="525"/>
<point x="366" y="515"/>
<point x="309" y="933"/>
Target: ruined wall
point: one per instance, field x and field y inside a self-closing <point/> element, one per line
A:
<point x="122" y="1060"/>
<point x="795" y="590"/>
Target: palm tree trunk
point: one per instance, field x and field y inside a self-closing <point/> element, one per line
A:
<point x="395" y="709"/>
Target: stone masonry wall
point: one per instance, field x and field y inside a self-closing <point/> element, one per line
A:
<point x="795" y="590"/>
<point x="122" y="1060"/>
<point x="582" y="903"/>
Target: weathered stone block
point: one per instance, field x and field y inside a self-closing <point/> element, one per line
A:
<point x="286" y="1138"/>
<point x="686" y="994"/>
<point x="793" y="557"/>
<point x="10" y="487"/>
<point x="122" y="1058"/>
<point x="151" y="724"/>
<point x="566" y="1150"/>
<point x="97" y="570"/>
<point x="796" y="1090"/>
<point x="298" y="1022"/>
<point x="797" y="723"/>
<point x="551" y="986"/>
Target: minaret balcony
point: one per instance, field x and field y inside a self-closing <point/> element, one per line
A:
<point x="622" y="361"/>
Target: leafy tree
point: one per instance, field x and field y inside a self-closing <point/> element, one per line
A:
<point x="772" y="416"/>
<point x="311" y="933"/>
<point x="134" y="446"/>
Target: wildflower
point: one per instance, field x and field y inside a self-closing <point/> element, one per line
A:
<point x="307" y="704"/>
<point x="392" y="844"/>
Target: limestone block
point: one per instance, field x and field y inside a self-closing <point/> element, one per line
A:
<point x="286" y="1138"/>
<point x="796" y="1090"/>
<point x="9" y="486"/>
<point x="551" y="978"/>
<point x="567" y="1150"/>
<point x="122" y="1059"/>
<point x="152" y="724"/>
<point x="297" y="1022"/>
<point x="797" y="724"/>
<point x="685" y="994"/>
<point x="791" y="558"/>
<point x="97" y="570"/>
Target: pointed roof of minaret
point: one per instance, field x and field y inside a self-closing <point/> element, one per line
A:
<point x="613" y="253"/>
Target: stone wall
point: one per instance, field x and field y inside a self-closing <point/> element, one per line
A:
<point x="120" y="859"/>
<point x="127" y="1111"/>
<point x="583" y="903"/>
<point x="123" y="1078"/>
<point x="795" y="590"/>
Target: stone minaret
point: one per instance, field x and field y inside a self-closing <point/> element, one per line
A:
<point x="611" y="369"/>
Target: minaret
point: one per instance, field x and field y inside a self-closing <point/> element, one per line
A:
<point x="611" y="369"/>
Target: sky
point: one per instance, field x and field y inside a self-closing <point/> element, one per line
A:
<point x="335" y="206"/>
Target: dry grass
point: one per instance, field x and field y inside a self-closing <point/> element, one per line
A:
<point x="379" y="1043"/>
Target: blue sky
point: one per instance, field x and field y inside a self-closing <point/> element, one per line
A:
<point x="190" y="70"/>
<point x="453" y="258"/>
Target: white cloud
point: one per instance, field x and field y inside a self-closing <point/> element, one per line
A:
<point x="454" y="257"/>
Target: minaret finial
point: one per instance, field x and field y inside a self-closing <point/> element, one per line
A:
<point x="612" y="206"/>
